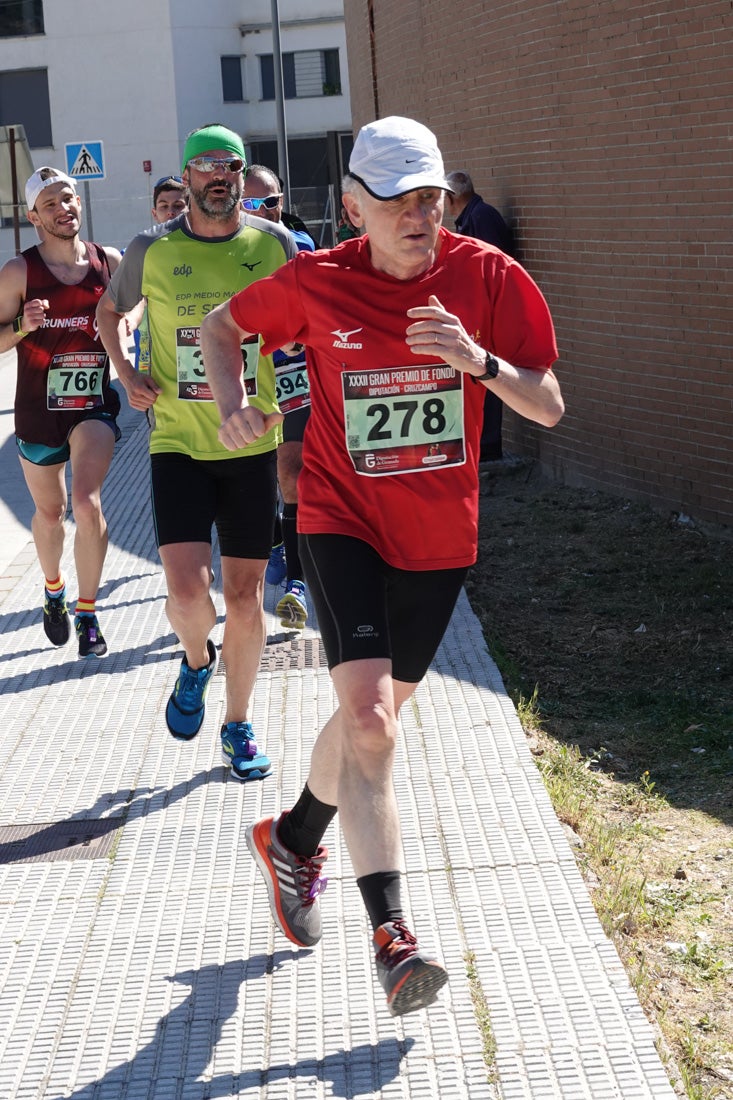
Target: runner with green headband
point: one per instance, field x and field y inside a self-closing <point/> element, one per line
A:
<point x="183" y="269"/>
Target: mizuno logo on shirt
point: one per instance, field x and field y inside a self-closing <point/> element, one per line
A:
<point x="251" y="267"/>
<point x="342" y="339"/>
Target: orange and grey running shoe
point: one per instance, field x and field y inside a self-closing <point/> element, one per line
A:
<point x="293" y="882"/>
<point x="409" y="976"/>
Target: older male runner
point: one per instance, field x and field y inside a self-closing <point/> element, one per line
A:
<point x="404" y="328"/>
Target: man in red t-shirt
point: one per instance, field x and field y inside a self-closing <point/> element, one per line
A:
<point x="404" y="328"/>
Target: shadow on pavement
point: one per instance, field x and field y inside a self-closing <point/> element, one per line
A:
<point x="182" y="1048"/>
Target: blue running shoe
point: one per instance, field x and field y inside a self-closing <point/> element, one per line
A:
<point x="277" y="570"/>
<point x="186" y="707"/>
<point x="239" y="749"/>
<point x="293" y="607"/>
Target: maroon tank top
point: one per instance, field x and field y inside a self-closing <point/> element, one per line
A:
<point x="63" y="369"/>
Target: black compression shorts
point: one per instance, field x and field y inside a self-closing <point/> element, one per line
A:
<point x="367" y="608"/>
<point x="238" y="495"/>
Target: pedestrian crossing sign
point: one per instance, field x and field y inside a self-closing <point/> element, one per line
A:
<point x="85" y="160"/>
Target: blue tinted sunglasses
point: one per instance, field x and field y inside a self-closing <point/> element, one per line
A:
<point x="254" y="204"/>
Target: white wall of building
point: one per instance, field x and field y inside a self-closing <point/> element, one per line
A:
<point x="140" y="76"/>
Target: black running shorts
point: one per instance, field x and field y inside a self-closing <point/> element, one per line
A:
<point x="367" y="608"/>
<point x="294" y="425"/>
<point x="237" y="495"/>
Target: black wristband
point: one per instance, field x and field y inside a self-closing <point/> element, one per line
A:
<point x="491" y="369"/>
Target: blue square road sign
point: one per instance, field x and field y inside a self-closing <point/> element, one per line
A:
<point x="85" y="160"/>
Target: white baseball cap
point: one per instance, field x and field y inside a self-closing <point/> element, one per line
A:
<point x="43" y="178"/>
<point x="394" y="155"/>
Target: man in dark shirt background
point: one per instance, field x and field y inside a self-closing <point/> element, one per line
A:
<point x="476" y="218"/>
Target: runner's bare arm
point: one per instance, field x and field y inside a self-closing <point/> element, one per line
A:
<point x="134" y="316"/>
<point x="113" y="257"/>
<point x="142" y="391"/>
<point x="221" y="343"/>
<point x="12" y="304"/>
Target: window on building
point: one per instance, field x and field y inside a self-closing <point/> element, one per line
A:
<point x="305" y="73"/>
<point x="232" y="86"/>
<point x="18" y="17"/>
<point x="24" y="99"/>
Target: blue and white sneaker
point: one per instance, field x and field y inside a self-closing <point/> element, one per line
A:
<point x="239" y="750"/>
<point x="277" y="570"/>
<point x="186" y="707"/>
<point x="293" y="607"/>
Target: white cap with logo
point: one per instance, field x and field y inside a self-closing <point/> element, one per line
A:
<point x="43" y="178"/>
<point x="395" y="155"/>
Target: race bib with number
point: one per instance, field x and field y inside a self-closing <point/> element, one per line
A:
<point x="404" y="419"/>
<point x="192" y="384"/>
<point x="75" y="381"/>
<point x="291" y="386"/>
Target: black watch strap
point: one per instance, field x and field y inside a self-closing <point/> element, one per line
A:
<point x="491" y="369"/>
<point x="18" y="326"/>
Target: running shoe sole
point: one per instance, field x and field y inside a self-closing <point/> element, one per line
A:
<point x="249" y="771"/>
<point x="292" y="614"/>
<point x="418" y="989"/>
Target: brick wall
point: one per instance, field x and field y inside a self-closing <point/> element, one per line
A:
<point x="605" y="133"/>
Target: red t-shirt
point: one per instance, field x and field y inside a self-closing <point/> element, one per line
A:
<point x="390" y="452"/>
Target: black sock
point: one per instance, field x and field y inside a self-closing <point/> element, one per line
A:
<point x="289" y="524"/>
<point x="301" y="831"/>
<point x="382" y="896"/>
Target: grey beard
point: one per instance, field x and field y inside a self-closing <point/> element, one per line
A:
<point x="219" y="209"/>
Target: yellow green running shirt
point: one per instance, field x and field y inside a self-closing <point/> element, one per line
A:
<point x="183" y="278"/>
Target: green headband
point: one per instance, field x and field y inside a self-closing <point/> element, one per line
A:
<point x="212" y="137"/>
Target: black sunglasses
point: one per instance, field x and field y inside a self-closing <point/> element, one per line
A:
<point x="167" y="179"/>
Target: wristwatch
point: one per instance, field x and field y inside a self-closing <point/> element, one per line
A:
<point x="491" y="369"/>
<point x="18" y="326"/>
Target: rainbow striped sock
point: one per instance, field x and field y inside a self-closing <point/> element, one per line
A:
<point x="85" y="607"/>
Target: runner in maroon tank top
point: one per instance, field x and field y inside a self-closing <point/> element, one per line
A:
<point x="65" y="407"/>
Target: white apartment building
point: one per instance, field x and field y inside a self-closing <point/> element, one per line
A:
<point x="131" y="80"/>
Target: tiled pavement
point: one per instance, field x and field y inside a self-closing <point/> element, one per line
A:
<point x="138" y="960"/>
